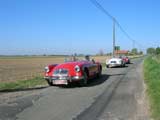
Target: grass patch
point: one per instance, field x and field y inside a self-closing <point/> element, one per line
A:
<point x="24" y="84"/>
<point x="152" y="79"/>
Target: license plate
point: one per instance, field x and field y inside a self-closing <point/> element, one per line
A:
<point x="112" y="65"/>
<point x="60" y="82"/>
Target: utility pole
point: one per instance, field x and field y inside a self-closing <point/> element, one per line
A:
<point x="115" y="22"/>
<point x="113" y="54"/>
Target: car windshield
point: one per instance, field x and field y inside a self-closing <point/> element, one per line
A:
<point x="75" y="58"/>
<point x="70" y="59"/>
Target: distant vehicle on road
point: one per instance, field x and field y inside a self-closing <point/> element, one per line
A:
<point x="115" y="62"/>
<point x="79" y="71"/>
<point x="126" y="59"/>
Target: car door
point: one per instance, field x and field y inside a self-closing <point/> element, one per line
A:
<point x="93" y="68"/>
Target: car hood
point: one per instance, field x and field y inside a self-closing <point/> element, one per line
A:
<point x="69" y="65"/>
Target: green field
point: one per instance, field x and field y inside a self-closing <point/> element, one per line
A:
<point x="152" y="80"/>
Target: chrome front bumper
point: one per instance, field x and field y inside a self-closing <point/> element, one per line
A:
<point x="70" y="79"/>
<point x="114" y="65"/>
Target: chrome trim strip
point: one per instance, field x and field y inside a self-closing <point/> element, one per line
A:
<point x="64" y="78"/>
<point x="77" y="77"/>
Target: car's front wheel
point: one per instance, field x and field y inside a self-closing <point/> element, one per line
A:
<point x="84" y="81"/>
<point x="49" y="82"/>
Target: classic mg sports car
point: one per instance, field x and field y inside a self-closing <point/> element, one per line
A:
<point x="115" y="62"/>
<point x="126" y="59"/>
<point x="72" y="71"/>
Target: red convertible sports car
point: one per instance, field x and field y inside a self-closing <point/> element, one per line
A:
<point x="126" y="59"/>
<point x="72" y="71"/>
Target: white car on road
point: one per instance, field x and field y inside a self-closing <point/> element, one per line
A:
<point x="115" y="62"/>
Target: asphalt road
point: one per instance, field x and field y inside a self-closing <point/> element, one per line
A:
<point x="117" y="95"/>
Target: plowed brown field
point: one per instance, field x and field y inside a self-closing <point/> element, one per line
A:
<point x="23" y="68"/>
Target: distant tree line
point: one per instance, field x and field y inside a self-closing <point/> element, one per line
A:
<point x="135" y="51"/>
<point x="153" y="51"/>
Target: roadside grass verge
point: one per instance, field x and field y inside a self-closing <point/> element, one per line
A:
<point x="152" y="80"/>
<point x="21" y="85"/>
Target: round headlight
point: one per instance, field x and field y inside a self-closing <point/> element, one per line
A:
<point x="46" y="69"/>
<point x="77" y="68"/>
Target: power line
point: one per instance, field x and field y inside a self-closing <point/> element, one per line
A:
<point x="124" y="32"/>
<point x="100" y="7"/>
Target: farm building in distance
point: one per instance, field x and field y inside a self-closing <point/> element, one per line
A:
<point x="121" y="52"/>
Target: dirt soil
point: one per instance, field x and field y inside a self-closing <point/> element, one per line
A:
<point x="23" y="68"/>
<point x="13" y="69"/>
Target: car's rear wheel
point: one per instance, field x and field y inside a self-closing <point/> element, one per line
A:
<point x="129" y="62"/>
<point x="99" y="72"/>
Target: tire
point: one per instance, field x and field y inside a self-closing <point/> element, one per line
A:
<point x="129" y="62"/>
<point x="84" y="81"/>
<point x="49" y="82"/>
<point x="99" y="72"/>
<point x="107" y="66"/>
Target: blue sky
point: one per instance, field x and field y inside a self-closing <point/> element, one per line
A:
<point x="75" y="26"/>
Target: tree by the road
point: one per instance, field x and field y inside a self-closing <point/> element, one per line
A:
<point x="158" y="50"/>
<point x="134" y="51"/>
<point x="141" y="52"/>
<point x="151" y="51"/>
